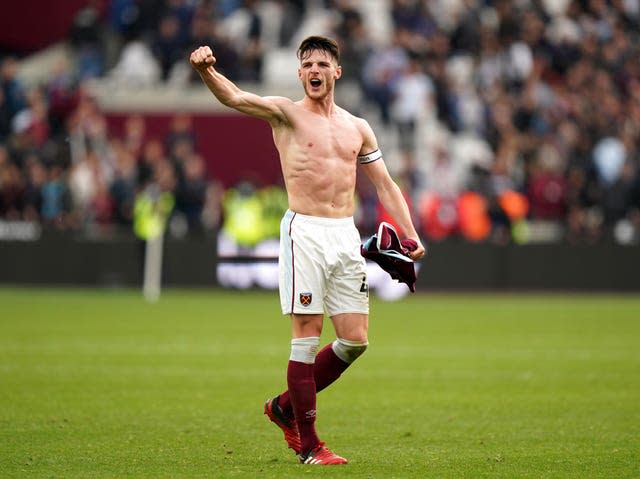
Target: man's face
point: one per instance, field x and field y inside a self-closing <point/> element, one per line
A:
<point x="318" y="73"/>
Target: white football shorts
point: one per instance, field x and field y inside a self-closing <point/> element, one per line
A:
<point x="320" y="266"/>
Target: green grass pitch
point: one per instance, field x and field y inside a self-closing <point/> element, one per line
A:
<point x="100" y="384"/>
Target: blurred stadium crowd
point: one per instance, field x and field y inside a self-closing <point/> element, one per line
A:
<point x="504" y="121"/>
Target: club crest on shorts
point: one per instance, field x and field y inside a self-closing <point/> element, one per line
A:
<point x="305" y="299"/>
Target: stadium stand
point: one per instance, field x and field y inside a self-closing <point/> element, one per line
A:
<point x="505" y="122"/>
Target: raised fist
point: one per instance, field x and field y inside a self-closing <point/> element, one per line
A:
<point x="202" y="58"/>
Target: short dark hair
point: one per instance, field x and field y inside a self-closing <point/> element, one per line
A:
<point x="323" y="44"/>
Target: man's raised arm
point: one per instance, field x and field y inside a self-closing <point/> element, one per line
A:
<point x="228" y="93"/>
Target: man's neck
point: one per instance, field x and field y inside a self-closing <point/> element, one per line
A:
<point x="325" y="106"/>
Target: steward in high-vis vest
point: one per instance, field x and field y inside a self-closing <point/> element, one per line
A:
<point x="243" y="215"/>
<point x="151" y="210"/>
<point x="274" y="203"/>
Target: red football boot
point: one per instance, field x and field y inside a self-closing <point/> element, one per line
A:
<point x="288" y="426"/>
<point x="323" y="456"/>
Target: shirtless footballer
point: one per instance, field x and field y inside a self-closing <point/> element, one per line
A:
<point x="321" y="270"/>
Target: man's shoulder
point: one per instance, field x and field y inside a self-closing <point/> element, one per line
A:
<point x="280" y="100"/>
<point x="346" y="113"/>
<point x="356" y="120"/>
<point x="365" y="130"/>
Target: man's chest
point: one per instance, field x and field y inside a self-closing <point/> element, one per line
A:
<point x="329" y="138"/>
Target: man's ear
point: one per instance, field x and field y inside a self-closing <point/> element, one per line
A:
<point x="299" y="73"/>
<point x="338" y="72"/>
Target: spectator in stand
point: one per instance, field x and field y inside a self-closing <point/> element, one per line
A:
<point x="382" y="68"/>
<point x="153" y="154"/>
<point x="29" y="132"/>
<point x="11" y="192"/>
<point x="355" y="43"/>
<point x="168" y="45"/>
<point x="87" y="38"/>
<point x="352" y="36"/>
<point x="180" y="133"/>
<point x="191" y="191"/>
<point x="5" y="117"/>
<point x="183" y="11"/>
<point x="87" y="127"/>
<point x="412" y="102"/>
<point x="134" y="135"/>
<point x="412" y="16"/>
<point x="546" y="187"/>
<point x="243" y="28"/>
<point x="181" y="151"/>
<point x="4" y="157"/>
<point x="293" y="15"/>
<point x="62" y="97"/>
<point x="12" y="87"/>
<point x="205" y="31"/>
<point x="123" y="187"/>
<point x="136" y="66"/>
<point x="36" y="177"/>
<point x="37" y="112"/>
<point x="88" y="182"/>
<point x="56" y="210"/>
<point x="101" y="207"/>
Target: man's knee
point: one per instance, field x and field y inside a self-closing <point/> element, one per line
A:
<point x="304" y="350"/>
<point x="347" y="350"/>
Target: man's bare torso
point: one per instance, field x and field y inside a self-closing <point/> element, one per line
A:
<point x="318" y="155"/>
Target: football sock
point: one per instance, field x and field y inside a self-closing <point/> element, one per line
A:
<point x="302" y="396"/>
<point x="328" y="368"/>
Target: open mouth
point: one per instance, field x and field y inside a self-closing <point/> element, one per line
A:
<point x="315" y="82"/>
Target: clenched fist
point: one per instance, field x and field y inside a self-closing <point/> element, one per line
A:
<point x="202" y="58"/>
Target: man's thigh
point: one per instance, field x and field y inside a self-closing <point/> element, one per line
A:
<point x="306" y="325"/>
<point x="351" y="326"/>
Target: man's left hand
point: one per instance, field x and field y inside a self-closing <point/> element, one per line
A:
<point x="413" y="248"/>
